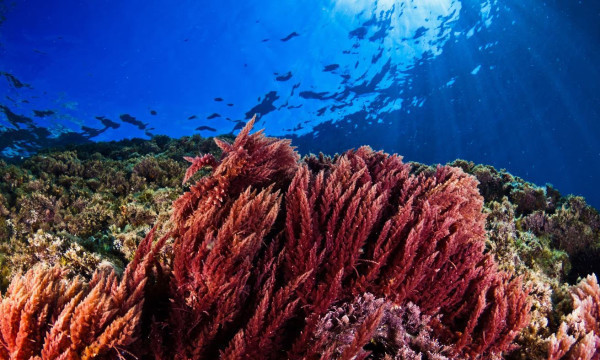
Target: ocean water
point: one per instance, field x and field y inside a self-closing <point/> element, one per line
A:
<point x="513" y="84"/>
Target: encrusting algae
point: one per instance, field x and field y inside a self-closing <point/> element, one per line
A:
<point x="266" y="255"/>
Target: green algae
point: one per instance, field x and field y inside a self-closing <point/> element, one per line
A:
<point x="102" y="199"/>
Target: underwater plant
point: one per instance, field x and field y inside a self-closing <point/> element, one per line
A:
<point x="346" y="226"/>
<point x="101" y="200"/>
<point x="265" y="247"/>
<point x="579" y="334"/>
<point x="348" y="257"/>
<point x="44" y="315"/>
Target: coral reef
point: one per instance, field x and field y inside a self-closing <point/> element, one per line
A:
<point x="270" y="256"/>
<point x="100" y="200"/>
<point x="494" y="185"/>
<point x="547" y="238"/>
<point x="574" y="228"/>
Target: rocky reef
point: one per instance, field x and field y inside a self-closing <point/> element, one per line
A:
<point x="87" y="204"/>
<point x="240" y="249"/>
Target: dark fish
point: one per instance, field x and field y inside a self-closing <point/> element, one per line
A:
<point x="266" y="105"/>
<point x="294" y="34"/>
<point x="294" y="87"/>
<point x="284" y="77"/>
<point x="15" y="119"/>
<point x="91" y="132"/>
<point x="358" y="33"/>
<point x="126" y="118"/>
<point x="239" y="125"/>
<point x="108" y="123"/>
<point x="420" y="32"/>
<point x="207" y="128"/>
<point x="43" y="113"/>
<point x="14" y="81"/>
<point x="314" y="95"/>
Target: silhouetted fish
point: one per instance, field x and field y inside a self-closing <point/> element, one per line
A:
<point x="207" y="128"/>
<point x="294" y="34"/>
<point x="126" y="118"/>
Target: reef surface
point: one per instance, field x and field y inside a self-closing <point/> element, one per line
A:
<point x="358" y="255"/>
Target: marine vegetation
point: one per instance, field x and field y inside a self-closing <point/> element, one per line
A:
<point x="86" y="204"/>
<point x="356" y="256"/>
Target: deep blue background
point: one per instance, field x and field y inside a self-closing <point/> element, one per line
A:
<point x="514" y="84"/>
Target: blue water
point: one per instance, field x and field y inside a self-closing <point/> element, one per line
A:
<point x="514" y="84"/>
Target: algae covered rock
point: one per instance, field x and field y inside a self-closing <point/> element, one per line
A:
<point x="97" y="201"/>
<point x="86" y="206"/>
